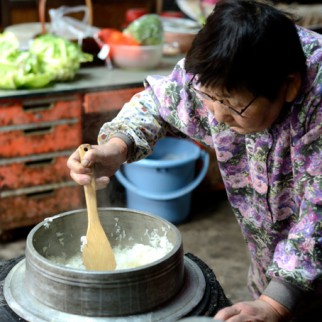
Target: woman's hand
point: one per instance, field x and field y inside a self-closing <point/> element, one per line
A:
<point x="264" y="309"/>
<point x="106" y="159"/>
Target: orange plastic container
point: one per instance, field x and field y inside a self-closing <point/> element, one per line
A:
<point x="40" y="138"/>
<point x="110" y="100"/>
<point x="14" y="112"/>
<point x="31" y="206"/>
<point x="34" y="170"/>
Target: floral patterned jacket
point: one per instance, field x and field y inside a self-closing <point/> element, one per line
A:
<point x="273" y="178"/>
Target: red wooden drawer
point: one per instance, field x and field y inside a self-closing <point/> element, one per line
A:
<point x="33" y="206"/>
<point x="40" y="138"/>
<point x="13" y="112"/>
<point x="34" y="170"/>
<point x="109" y="100"/>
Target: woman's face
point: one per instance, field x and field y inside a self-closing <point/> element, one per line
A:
<point x="243" y="112"/>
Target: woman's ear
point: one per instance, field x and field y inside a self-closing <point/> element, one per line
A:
<point x="294" y="82"/>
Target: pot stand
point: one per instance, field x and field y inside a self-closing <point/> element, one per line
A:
<point x="15" y="303"/>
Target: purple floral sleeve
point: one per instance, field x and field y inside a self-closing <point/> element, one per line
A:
<point x="273" y="178"/>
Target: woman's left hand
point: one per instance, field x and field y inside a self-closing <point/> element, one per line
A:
<point x="265" y="309"/>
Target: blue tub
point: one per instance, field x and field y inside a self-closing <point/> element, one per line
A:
<point x="162" y="183"/>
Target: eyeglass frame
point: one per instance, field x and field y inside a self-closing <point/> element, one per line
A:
<point x="213" y="99"/>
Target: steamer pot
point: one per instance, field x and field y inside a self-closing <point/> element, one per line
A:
<point x="108" y="293"/>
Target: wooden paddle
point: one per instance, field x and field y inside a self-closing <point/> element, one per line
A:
<point x="97" y="252"/>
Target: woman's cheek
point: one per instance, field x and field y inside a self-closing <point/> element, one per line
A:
<point x="210" y="107"/>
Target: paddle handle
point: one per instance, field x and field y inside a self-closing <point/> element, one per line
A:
<point x="97" y="253"/>
<point x="90" y="189"/>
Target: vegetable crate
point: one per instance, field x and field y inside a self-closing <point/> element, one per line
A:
<point x="37" y="136"/>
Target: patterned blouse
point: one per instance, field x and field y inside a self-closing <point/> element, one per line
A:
<point x="273" y="178"/>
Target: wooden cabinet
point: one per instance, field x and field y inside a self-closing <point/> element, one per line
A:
<point x="36" y="138"/>
<point x="101" y="102"/>
<point x="100" y="107"/>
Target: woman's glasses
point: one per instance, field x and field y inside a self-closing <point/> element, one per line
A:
<point x="208" y="97"/>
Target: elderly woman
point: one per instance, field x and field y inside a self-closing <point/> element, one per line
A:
<point x="250" y="88"/>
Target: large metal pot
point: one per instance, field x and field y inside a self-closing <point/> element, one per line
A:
<point x="97" y="293"/>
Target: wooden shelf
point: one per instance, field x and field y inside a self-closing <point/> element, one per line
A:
<point x="106" y="13"/>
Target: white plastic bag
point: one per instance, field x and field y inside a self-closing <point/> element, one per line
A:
<point x="68" y="27"/>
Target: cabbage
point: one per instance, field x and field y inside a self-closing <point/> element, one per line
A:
<point x="59" y="56"/>
<point x="50" y="58"/>
<point x="147" y="30"/>
<point x="9" y="44"/>
<point x="19" y="68"/>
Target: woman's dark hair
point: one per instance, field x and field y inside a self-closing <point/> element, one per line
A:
<point x="246" y="45"/>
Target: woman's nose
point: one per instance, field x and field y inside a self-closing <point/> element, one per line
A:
<point x="221" y="113"/>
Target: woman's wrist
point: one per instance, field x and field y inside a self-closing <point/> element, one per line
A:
<point x="122" y="147"/>
<point x="284" y="293"/>
<point x="126" y="141"/>
<point x="281" y="310"/>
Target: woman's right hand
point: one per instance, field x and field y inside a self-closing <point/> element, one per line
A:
<point x="106" y="159"/>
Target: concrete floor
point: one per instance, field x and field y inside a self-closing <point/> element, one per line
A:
<point x="211" y="234"/>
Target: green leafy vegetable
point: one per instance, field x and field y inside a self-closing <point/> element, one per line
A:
<point x="147" y="30"/>
<point x="9" y="44"/>
<point x="50" y="58"/>
<point x="19" y="68"/>
<point x="60" y="57"/>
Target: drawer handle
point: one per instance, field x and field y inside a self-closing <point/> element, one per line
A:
<point x="38" y="131"/>
<point x="41" y="194"/>
<point x="37" y="107"/>
<point x="39" y="163"/>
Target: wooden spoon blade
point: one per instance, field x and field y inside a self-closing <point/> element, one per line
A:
<point x="97" y="252"/>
